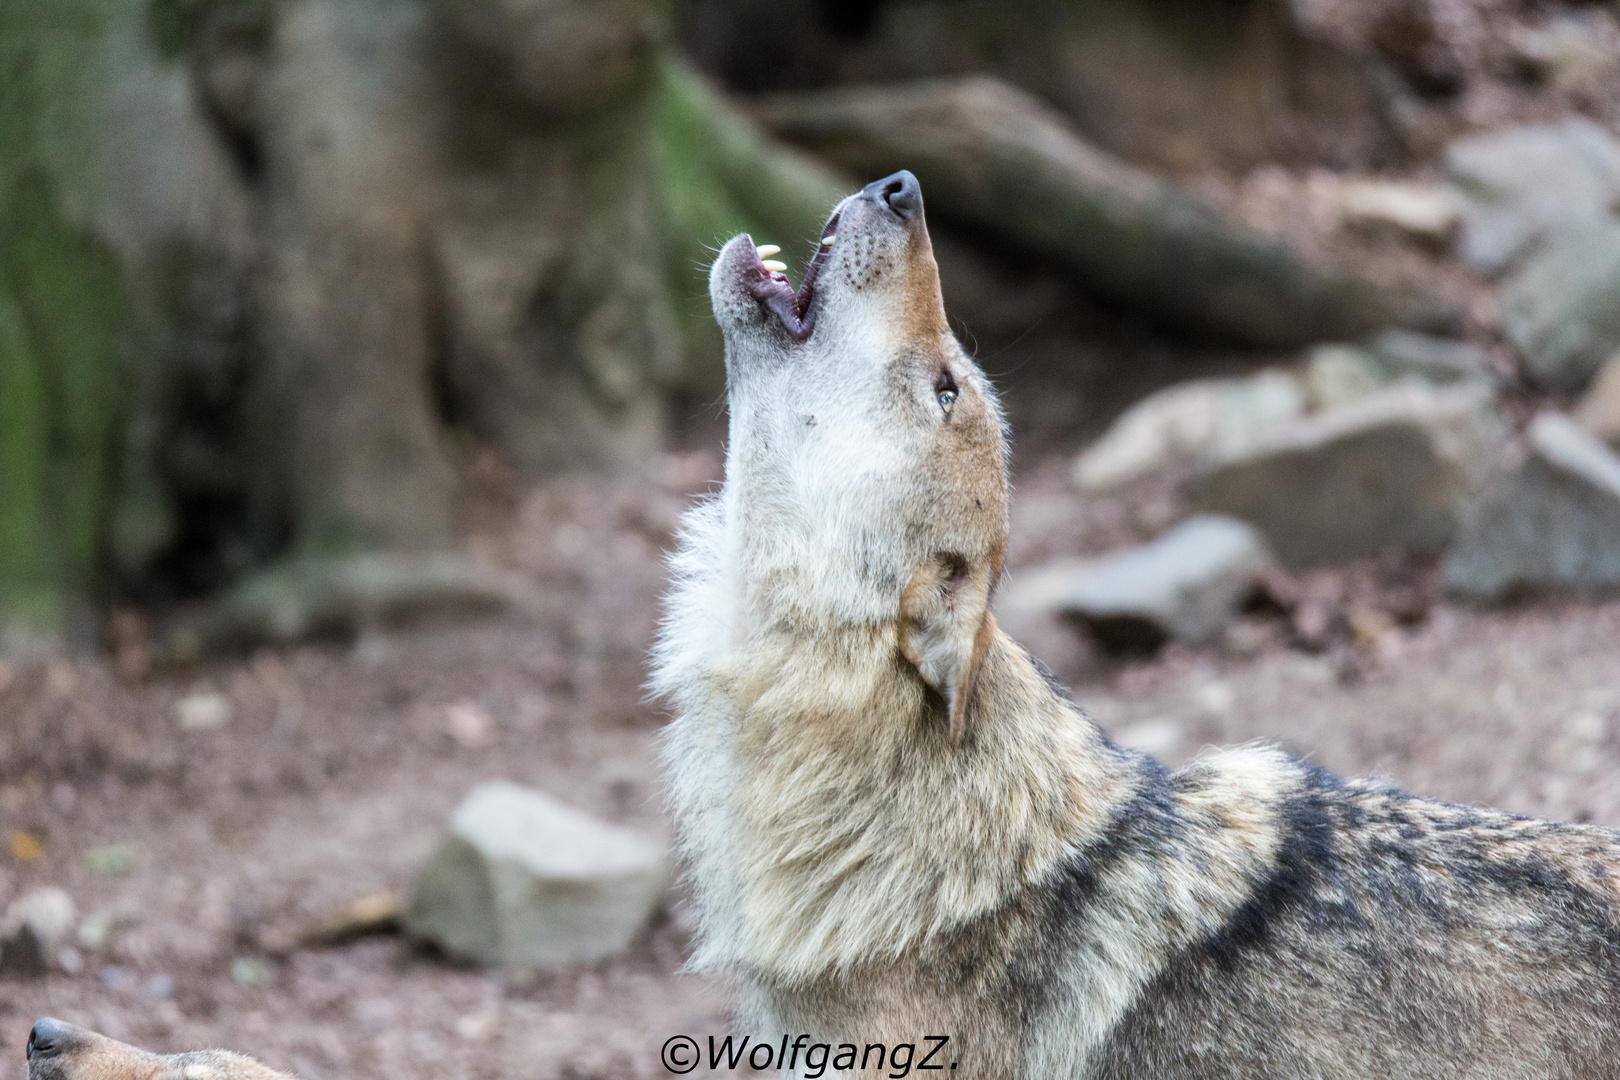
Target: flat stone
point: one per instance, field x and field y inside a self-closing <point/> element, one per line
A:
<point x="1525" y="184"/>
<point x="1562" y="309"/>
<point x="1185" y="585"/>
<point x="1394" y="469"/>
<point x="1599" y="408"/>
<point x="523" y="881"/>
<point x="1188" y="421"/>
<point x="1551" y="523"/>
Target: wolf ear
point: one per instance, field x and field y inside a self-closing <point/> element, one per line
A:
<point x="946" y="628"/>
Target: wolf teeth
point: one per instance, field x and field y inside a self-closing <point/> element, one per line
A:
<point x="772" y="264"/>
<point x="767" y="250"/>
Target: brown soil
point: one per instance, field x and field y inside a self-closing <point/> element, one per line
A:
<point x="339" y="765"/>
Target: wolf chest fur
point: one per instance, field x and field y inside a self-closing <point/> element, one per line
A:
<point x="895" y="825"/>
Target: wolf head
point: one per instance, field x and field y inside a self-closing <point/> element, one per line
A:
<point x="58" y="1051"/>
<point x="866" y="472"/>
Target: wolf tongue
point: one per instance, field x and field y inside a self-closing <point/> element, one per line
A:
<point x="786" y="308"/>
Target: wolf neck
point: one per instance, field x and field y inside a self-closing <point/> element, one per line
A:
<point x="860" y="832"/>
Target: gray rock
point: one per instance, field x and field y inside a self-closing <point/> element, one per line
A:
<point x="1188" y="421"/>
<point x="1572" y="51"/>
<point x="313" y="596"/>
<point x="1527" y="183"/>
<point x="1339" y="374"/>
<point x="1433" y="359"/>
<point x="523" y="881"/>
<point x="1553" y="522"/>
<point x="1394" y="469"/>
<point x="1562" y="309"/>
<point x="34" y="930"/>
<point x="1186" y="585"/>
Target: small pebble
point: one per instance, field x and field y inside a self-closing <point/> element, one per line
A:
<point x="96" y="929"/>
<point x="250" y="971"/>
<point x="1216" y="696"/>
<point x="470" y="725"/>
<point x="202" y="711"/>
<point x="478" y="1026"/>
<point x="116" y="977"/>
<point x="70" y="960"/>
<point x="64" y="796"/>
<point x="112" y="860"/>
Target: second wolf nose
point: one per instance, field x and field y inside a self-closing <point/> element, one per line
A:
<point x="46" y="1038"/>
<point x="900" y="193"/>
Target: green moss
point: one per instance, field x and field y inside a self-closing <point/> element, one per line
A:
<point x="61" y="317"/>
<point x="719" y="175"/>
<point x="173" y="25"/>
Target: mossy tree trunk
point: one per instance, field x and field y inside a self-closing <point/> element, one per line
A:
<point x="444" y="234"/>
<point x="62" y="315"/>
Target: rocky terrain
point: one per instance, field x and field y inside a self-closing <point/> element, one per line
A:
<point x="198" y="818"/>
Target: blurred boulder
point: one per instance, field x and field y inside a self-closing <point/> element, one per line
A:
<point x="1571" y="51"/>
<point x="1186" y="585"/>
<point x="1179" y="84"/>
<point x="1011" y="167"/>
<point x="316" y="597"/>
<point x="1562" y="309"/>
<point x="1204" y="419"/>
<point x="35" y="930"/>
<point x="1391" y="470"/>
<point x="1526" y="184"/>
<point x="523" y="881"/>
<point x="1552" y="522"/>
<point x="1337" y="374"/>
<point x="1429" y="214"/>
<point x="1599" y="409"/>
<point x="1433" y="359"/>
<point x="1187" y="422"/>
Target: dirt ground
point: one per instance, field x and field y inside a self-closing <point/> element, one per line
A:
<point x="341" y="760"/>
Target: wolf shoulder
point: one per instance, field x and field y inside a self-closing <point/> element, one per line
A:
<point x="1396" y="936"/>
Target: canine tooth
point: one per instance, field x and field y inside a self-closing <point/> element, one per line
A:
<point x="767" y="250"/>
<point x="772" y="264"/>
<point x="826" y="241"/>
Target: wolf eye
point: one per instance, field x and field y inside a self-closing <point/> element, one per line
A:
<point x="945" y="391"/>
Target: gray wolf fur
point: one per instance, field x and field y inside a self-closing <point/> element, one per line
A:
<point x="895" y="825"/>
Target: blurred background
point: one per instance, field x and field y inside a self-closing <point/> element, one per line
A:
<point x="356" y="366"/>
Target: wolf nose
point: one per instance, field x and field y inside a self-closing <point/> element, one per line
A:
<point x="46" y="1038"/>
<point x="900" y="193"/>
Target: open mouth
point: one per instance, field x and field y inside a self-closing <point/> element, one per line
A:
<point x="796" y="310"/>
